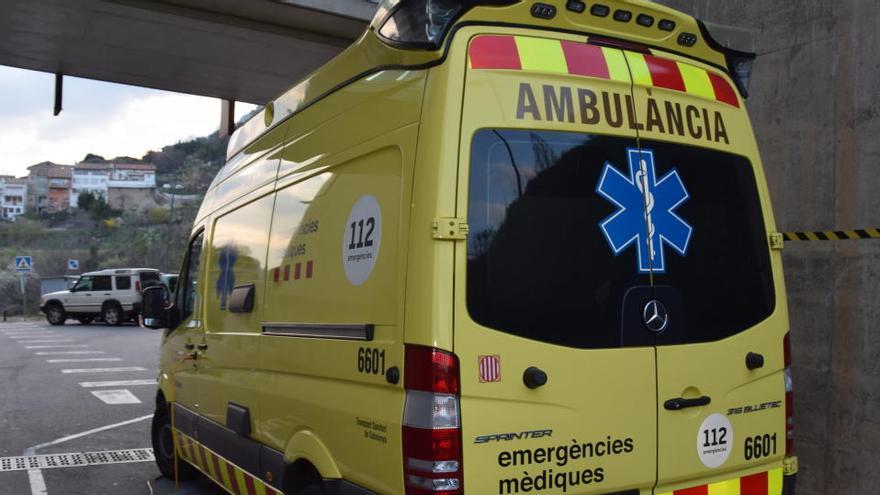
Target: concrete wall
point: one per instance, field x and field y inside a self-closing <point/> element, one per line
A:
<point x="815" y="106"/>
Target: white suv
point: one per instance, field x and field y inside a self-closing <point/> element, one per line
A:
<point x="113" y="296"/>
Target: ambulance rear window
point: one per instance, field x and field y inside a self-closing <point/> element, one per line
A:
<point x="541" y="267"/>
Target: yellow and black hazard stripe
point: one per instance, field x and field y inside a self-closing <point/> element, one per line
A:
<point x="833" y="235"/>
<point x="232" y="478"/>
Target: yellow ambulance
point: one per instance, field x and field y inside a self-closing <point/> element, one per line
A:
<point x="495" y="247"/>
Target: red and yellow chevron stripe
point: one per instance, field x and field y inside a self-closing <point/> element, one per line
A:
<point x="231" y="477"/>
<point x="766" y="483"/>
<point x="580" y="59"/>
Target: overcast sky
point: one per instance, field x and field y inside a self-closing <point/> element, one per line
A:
<point x="98" y="117"/>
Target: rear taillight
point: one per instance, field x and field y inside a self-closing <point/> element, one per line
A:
<point x="789" y="398"/>
<point x="137" y="285"/>
<point x="432" y="460"/>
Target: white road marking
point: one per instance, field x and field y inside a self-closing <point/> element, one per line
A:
<point x="104" y="370"/>
<point x="53" y="346"/>
<point x="31" y="335"/>
<point x="35" y="476"/>
<point x="117" y="383"/>
<point x="113" y="397"/>
<point x="38" y="484"/>
<point x="83" y="360"/>
<point x="62" y="353"/>
<point x="44" y="341"/>
<point x="86" y="433"/>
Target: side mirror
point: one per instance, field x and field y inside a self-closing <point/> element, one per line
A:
<point x="157" y="306"/>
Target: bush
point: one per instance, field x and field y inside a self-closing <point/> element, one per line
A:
<point x="158" y="215"/>
<point x="22" y="232"/>
<point x="85" y="201"/>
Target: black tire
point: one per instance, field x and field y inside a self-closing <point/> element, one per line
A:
<point x="316" y="488"/>
<point x="85" y="320"/>
<point x="163" y="448"/>
<point x="112" y="314"/>
<point x="55" y="314"/>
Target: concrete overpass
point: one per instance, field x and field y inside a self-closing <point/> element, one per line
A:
<point x="244" y="50"/>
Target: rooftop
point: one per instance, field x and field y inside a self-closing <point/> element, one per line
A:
<point x="135" y="166"/>
<point x="92" y="166"/>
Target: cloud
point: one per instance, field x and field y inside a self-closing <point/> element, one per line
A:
<point x="103" y="118"/>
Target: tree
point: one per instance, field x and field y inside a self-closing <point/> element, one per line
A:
<point x="93" y="158"/>
<point x="101" y="210"/>
<point x="85" y="201"/>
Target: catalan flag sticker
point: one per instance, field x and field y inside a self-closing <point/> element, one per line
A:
<point x="490" y="368"/>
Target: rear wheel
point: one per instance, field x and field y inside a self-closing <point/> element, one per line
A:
<point x="163" y="447"/>
<point x="55" y="314"/>
<point x="85" y="320"/>
<point x="112" y="314"/>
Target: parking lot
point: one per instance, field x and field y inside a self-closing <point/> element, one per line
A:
<point x="76" y="409"/>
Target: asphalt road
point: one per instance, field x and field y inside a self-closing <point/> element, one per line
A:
<point x="58" y="396"/>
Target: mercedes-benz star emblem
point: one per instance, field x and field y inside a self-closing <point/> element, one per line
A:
<point x="655" y="316"/>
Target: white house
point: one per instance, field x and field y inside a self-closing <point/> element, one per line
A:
<point x="131" y="186"/>
<point x="90" y="177"/>
<point x="132" y="176"/>
<point x="122" y="185"/>
<point x="13" y="197"/>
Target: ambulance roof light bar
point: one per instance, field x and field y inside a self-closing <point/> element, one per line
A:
<point x="422" y="23"/>
<point x="738" y="47"/>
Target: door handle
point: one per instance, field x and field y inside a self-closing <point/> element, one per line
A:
<point x="203" y="346"/>
<point x="189" y="346"/>
<point x="682" y="403"/>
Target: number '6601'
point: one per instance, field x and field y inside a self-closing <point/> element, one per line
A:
<point x="371" y="360"/>
<point x="760" y="446"/>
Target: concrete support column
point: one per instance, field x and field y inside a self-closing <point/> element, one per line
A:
<point x="227" y="117"/>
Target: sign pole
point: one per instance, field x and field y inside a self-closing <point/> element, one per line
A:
<point x="23" y="296"/>
<point x="23" y="265"/>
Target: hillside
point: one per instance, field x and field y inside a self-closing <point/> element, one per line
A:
<point x="104" y="238"/>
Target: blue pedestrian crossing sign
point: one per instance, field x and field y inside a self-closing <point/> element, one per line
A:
<point x="23" y="264"/>
<point x="72" y="264"/>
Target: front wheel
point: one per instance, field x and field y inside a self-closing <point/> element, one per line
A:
<point x="112" y="315"/>
<point x="163" y="447"/>
<point x="55" y="314"/>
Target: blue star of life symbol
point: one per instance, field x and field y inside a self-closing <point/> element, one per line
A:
<point x="646" y="210"/>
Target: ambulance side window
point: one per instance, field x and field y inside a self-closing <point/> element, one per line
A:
<point x="187" y="295"/>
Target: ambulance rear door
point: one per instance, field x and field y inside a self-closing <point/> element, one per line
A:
<point x="716" y="306"/>
<point x="558" y="385"/>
